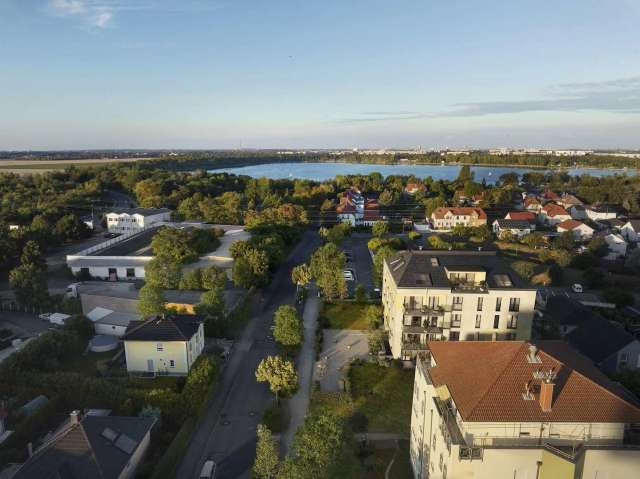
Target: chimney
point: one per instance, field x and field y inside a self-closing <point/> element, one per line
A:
<point x="74" y="417"/>
<point x="546" y="395"/>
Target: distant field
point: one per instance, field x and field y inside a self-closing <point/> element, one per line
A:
<point x="40" y="166"/>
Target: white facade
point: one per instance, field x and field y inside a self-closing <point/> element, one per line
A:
<point x="517" y="232"/>
<point x="617" y="246"/>
<point x="135" y="220"/>
<point x="581" y="233"/>
<point x="600" y="214"/>
<point x="630" y="232"/>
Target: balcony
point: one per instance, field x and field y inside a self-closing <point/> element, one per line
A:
<point x="418" y="310"/>
<point x="469" y="287"/>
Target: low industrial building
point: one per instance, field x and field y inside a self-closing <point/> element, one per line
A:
<point x="514" y="409"/>
<point x="127" y="220"/>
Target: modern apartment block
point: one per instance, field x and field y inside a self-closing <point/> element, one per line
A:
<point x="453" y="295"/>
<point x="519" y="410"/>
<point x="448" y="217"/>
<point x="127" y="220"/>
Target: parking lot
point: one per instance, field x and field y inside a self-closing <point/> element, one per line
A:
<point x="359" y="260"/>
<point x="339" y="347"/>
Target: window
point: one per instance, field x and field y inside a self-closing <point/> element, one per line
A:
<point x="444" y="472"/>
<point x="131" y="273"/>
<point x="498" y="304"/>
<point x="478" y="320"/>
<point x="457" y="303"/>
<point x="513" y="321"/>
<point x="480" y="301"/>
<point x="159" y="347"/>
<point x="432" y="302"/>
<point x="624" y="360"/>
<point x="172" y="363"/>
<point x="434" y="443"/>
<point x="454" y="336"/>
<point x="456" y="320"/>
<point x="496" y="321"/>
<point x="441" y="461"/>
<point x="514" y="305"/>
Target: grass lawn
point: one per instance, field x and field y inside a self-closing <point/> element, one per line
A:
<point x="344" y="315"/>
<point x="87" y="363"/>
<point x="383" y="395"/>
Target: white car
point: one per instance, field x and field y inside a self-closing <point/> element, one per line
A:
<point x="576" y="288"/>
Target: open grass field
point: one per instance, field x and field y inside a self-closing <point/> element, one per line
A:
<point x="41" y="166"/>
<point x="344" y="315"/>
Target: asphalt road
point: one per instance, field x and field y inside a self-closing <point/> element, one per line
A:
<point x="361" y="260"/>
<point x="227" y="431"/>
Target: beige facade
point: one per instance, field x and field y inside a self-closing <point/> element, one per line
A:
<point x="457" y="216"/>
<point x="443" y="445"/>
<point x="468" y="311"/>
<point x="164" y="357"/>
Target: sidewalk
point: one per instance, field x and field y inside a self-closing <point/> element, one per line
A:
<point x="299" y="403"/>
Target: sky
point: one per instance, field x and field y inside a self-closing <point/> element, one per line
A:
<point x="89" y="74"/>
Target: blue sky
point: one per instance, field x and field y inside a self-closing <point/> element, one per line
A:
<point x="334" y="73"/>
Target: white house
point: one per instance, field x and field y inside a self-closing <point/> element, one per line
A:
<point x="631" y="230"/>
<point x="600" y="212"/>
<point x="110" y="323"/>
<point x="552" y="214"/>
<point x="617" y="246"/>
<point x="164" y="345"/>
<point x="580" y="230"/>
<point x="127" y="220"/>
<point x="517" y="228"/>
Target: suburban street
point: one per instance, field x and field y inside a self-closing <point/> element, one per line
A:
<point x="226" y="432"/>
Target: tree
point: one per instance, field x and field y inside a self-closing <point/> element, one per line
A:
<point x="525" y="269"/>
<point x="376" y="339"/>
<point x="534" y="240"/>
<point x="191" y="279"/>
<point x="214" y="278"/>
<point x="598" y="246"/>
<point x="619" y="297"/>
<point x="337" y="233"/>
<point x="564" y="241"/>
<point x="70" y="227"/>
<point x="251" y="269"/>
<point x="287" y="327"/>
<point x="326" y="266"/>
<point x="151" y="302"/>
<point x="374" y="316"/>
<point x="481" y="233"/>
<point x="380" y="228"/>
<point x="29" y="285"/>
<point x="431" y="204"/>
<point x="386" y="198"/>
<point x="174" y="245"/>
<point x="378" y="263"/>
<point x="360" y="293"/>
<point x="462" y="232"/>
<point x="32" y="255"/>
<point x="267" y="462"/>
<point x="436" y="242"/>
<point x="465" y="174"/>
<point x="279" y="373"/>
<point x="301" y="275"/>
<point x="163" y="273"/>
<point x="80" y="325"/>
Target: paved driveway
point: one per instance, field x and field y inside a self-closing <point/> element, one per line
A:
<point x="362" y="264"/>
<point x="339" y="347"/>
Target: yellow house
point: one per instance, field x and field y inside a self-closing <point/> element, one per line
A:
<point x="164" y="345"/>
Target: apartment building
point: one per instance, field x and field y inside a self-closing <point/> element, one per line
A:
<point x="127" y="220"/>
<point x="519" y="410"/>
<point x="453" y="295"/>
<point x="448" y="217"/>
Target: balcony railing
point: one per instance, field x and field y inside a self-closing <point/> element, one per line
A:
<point x="469" y="287"/>
<point x="417" y="310"/>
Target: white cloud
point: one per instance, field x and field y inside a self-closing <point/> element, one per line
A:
<point x="101" y="19"/>
<point x="90" y="13"/>
<point x="67" y="7"/>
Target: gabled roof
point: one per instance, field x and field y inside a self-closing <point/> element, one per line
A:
<point x="486" y="380"/>
<point x="175" y="327"/>
<point x="441" y="211"/>
<point x="634" y="223"/>
<point x="531" y="200"/>
<point x="346" y="206"/>
<point x="551" y="209"/>
<point x="521" y="215"/>
<point x="598" y="338"/>
<point x="569" y="199"/>
<point x="139" y="211"/>
<point x="571" y="225"/>
<point x="550" y="195"/>
<point x="513" y="224"/>
<point x="415" y="187"/>
<point x="82" y="450"/>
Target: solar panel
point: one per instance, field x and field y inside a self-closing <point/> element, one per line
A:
<point x="126" y="444"/>
<point x="109" y="434"/>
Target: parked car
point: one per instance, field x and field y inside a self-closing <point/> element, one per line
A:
<point x="208" y="470"/>
<point x="576" y="288"/>
<point x="112" y="235"/>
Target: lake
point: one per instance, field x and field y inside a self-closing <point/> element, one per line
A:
<point x="327" y="171"/>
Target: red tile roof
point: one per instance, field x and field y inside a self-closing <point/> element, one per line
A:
<point x="550" y="195"/>
<point x="569" y="224"/>
<point x="521" y="215"/>
<point x="531" y="201"/>
<point x="346" y="205"/>
<point x="412" y="187"/>
<point x="551" y="209"/>
<point x="459" y="211"/>
<point x="486" y="380"/>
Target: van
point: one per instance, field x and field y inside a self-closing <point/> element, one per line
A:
<point x="72" y="290"/>
<point x="208" y="470"/>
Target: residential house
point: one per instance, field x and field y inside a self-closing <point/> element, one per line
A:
<point x="413" y="188"/>
<point x="129" y="220"/>
<point x="528" y="216"/>
<point x="564" y="314"/>
<point x="577" y="212"/>
<point x="110" y="323"/>
<point x="608" y="345"/>
<point x="580" y="230"/>
<point x="601" y="212"/>
<point x="533" y="204"/>
<point x="446" y="217"/>
<point x="105" y="447"/>
<point x="617" y="246"/>
<point x="164" y="345"/>
<point x="371" y="213"/>
<point x="631" y="230"/>
<point x="516" y="228"/>
<point x="453" y="295"/>
<point x="613" y="225"/>
<point x="552" y="214"/>
<point x="517" y="409"/>
<point x="549" y="195"/>
<point x="567" y="201"/>
<point x="357" y="210"/>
